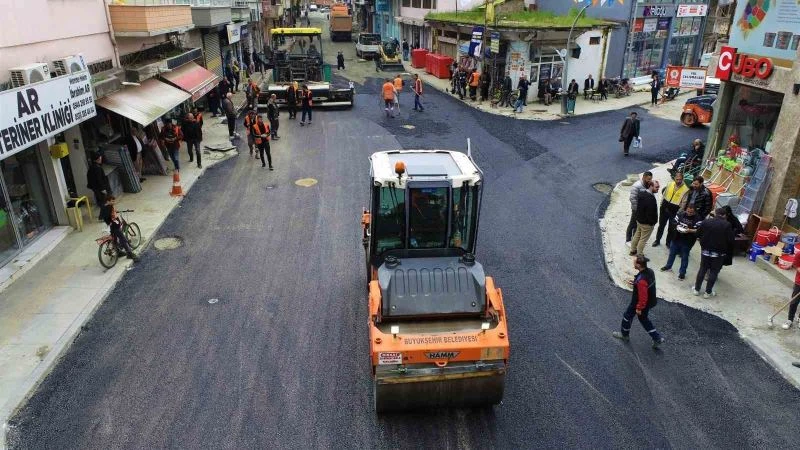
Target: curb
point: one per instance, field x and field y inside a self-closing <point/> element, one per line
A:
<point x="753" y="342"/>
<point x="61" y="346"/>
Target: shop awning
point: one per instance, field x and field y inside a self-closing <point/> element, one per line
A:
<point x="410" y="21"/>
<point x="145" y="103"/>
<point x="193" y="79"/>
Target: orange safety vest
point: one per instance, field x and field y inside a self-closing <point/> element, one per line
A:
<point x="388" y="91"/>
<point x="475" y="78"/>
<point x="398" y="83"/>
<point x="247" y="125"/>
<point x="259" y="131"/>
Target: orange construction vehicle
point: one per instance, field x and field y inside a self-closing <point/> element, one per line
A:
<point x="437" y="325"/>
<point x="341" y="23"/>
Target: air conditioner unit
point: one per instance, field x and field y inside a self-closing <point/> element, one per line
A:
<point x="68" y="65"/>
<point x="21" y="76"/>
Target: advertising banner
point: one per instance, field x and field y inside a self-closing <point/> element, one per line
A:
<point x="767" y="28"/>
<point x="495" y="44"/>
<point x="475" y="43"/>
<point x="234" y="33"/>
<point x="33" y="113"/>
<point x="650" y="25"/>
<point x="686" y="77"/>
<point x="692" y="10"/>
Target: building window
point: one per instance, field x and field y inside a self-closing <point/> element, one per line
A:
<point x="407" y="3"/>
<point x="429" y="4"/>
<point x="594" y="40"/>
<point x="416" y="3"/>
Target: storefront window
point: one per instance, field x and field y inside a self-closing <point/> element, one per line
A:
<point x="752" y="117"/>
<point x="648" y="50"/>
<point x="8" y="238"/>
<point x="24" y="182"/>
<point x="681" y="50"/>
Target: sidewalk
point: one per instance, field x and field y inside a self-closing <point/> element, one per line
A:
<point x="538" y="111"/>
<point x="746" y="294"/>
<point x="55" y="291"/>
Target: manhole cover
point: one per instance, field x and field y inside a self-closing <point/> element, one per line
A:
<point x="605" y="188"/>
<point x="213" y="301"/>
<point x="306" y="182"/>
<point x="168" y="243"/>
<point x="409" y="127"/>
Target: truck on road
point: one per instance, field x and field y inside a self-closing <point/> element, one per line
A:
<point x="368" y="45"/>
<point x="341" y="23"/>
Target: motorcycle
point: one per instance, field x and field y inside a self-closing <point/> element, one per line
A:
<point x="669" y="94"/>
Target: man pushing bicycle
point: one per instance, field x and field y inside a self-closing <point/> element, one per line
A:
<point x="115" y="223"/>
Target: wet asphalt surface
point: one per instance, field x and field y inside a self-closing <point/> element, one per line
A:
<point x="281" y="359"/>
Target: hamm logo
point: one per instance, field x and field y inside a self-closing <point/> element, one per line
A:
<point x="441" y="355"/>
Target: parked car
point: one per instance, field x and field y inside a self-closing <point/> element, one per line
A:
<point x="712" y="87"/>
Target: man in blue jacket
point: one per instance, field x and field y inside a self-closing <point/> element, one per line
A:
<point x="643" y="299"/>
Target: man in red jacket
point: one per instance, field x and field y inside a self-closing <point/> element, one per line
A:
<point x="642" y="300"/>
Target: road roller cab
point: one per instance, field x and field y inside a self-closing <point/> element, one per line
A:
<point x="437" y="325"/>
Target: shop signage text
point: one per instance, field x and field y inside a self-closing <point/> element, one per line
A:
<point x="746" y="66"/>
<point x="686" y="77"/>
<point x="655" y="11"/>
<point x="33" y="113"/>
<point x="692" y="10"/>
<point x="234" y="32"/>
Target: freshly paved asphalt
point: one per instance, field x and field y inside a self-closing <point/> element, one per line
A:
<point x="281" y="360"/>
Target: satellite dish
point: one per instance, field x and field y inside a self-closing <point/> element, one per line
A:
<point x="562" y="53"/>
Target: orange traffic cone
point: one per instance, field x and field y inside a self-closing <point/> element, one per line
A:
<point x="176" y="185"/>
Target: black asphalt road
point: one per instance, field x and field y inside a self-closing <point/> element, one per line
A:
<point x="281" y="360"/>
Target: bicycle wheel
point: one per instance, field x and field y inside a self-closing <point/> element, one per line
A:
<point x="107" y="254"/>
<point x="134" y="235"/>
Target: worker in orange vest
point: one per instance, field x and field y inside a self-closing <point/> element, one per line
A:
<point x="398" y="87"/>
<point x="418" y="93"/>
<point x="474" y="81"/>
<point x="388" y="97"/>
<point x="260" y="132"/>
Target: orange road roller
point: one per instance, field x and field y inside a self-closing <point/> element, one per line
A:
<point x="437" y="325"/>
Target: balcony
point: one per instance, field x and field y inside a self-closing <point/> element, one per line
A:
<point x="142" y="18"/>
<point x="210" y="13"/>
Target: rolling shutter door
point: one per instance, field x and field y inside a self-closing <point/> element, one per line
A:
<point x="212" y="53"/>
<point x="448" y="49"/>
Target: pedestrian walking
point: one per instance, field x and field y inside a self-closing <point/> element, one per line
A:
<point x="291" y="101"/>
<point x="505" y="91"/>
<point x="251" y="92"/>
<point x="96" y="179"/>
<point x="339" y="61"/>
<point x="646" y="218"/>
<point x="193" y="135"/>
<point x="261" y="133"/>
<point x="108" y="214"/>
<point x="654" y="87"/>
<point x="686" y="224"/>
<point x="474" y="82"/>
<point x="272" y="114"/>
<point x="572" y="96"/>
<point x="230" y="115"/>
<point x="637" y="187"/>
<point x="522" y="85"/>
<point x="405" y="50"/>
<point x="670" y="205"/>
<point x="236" y="74"/>
<point x="170" y="138"/>
<point x="213" y="101"/>
<point x="700" y="196"/>
<point x="463" y="76"/>
<point x="306" y="102"/>
<point x="418" y="93"/>
<point x="486" y="80"/>
<point x="398" y="87"/>
<point x="630" y="130"/>
<point x="716" y="244"/>
<point x="643" y="299"/>
<point x="257" y="64"/>
<point x="795" y="299"/>
<point x="249" y="120"/>
<point x="388" y="95"/>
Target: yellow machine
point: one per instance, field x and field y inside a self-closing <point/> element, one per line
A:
<point x="389" y="57"/>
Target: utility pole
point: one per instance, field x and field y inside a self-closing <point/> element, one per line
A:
<point x="566" y="58"/>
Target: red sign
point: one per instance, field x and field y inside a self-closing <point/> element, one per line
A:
<point x="638" y="25"/>
<point x="673" y="76"/>
<point x="742" y="64"/>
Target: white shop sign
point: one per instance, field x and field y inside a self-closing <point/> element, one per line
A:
<point x="33" y="113"/>
<point x="692" y="10"/>
<point x="234" y="33"/>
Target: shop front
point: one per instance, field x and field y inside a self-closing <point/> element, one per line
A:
<point x="755" y="130"/>
<point x="33" y="187"/>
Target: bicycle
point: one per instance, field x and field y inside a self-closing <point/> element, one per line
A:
<point x="107" y="251"/>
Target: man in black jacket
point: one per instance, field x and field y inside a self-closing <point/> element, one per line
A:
<point x="272" y="115"/>
<point x="630" y="130"/>
<point x="291" y="101"/>
<point x="646" y="218"/>
<point x="97" y="180"/>
<point x="505" y="91"/>
<point x="192" y="134"/>
<point x="643" y="299"/>
<point x="700" y="196"/>
<point x="588" y="85"/>
<point x="716" y="242"/>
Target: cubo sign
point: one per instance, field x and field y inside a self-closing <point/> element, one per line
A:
<point x="741" y="64"/>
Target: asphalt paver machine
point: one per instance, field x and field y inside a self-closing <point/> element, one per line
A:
<point x="297" y="57"/>
<point x="437" y="325"/>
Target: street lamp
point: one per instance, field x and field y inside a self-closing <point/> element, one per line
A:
<point x="566" y="59"/>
